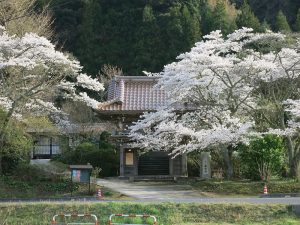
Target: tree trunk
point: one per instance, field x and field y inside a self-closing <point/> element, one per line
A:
<point x="291" y="150"/>
<point x="294" y="158"/>
<point x="227" y="156"/>
<point x="294" y="166"/>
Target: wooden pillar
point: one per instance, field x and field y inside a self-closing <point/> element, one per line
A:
<point x="136" y="162"/>
<point x="171" y="166"/>
<point x="51" y="150"/>
<point x="121" y="161"/>
<point x="184" y="164"/>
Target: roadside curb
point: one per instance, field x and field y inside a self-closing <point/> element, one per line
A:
<point x="280" y="195"/>
<point x="82" y="199"/>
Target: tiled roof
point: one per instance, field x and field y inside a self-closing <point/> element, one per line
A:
<point x="75" y="128"/>
<point x="128" y="94"/>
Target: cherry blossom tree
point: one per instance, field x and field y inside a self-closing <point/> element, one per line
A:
<point x="215" y="93"/>
<point x="32" y="73"/>
<point x="278" y="97"/>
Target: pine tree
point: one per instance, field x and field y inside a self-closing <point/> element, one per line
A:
<point x="281" y="23"/>
<point x="87" y="44"/>
<point x="247" y="18"/>
<point x="148" y="15"/>
<point x="220" y="19"/>
<point x="206" y="18"/>
<point x="265" y="26"/>
<point x="297" y="23"/>
<point x="191" y="27"/>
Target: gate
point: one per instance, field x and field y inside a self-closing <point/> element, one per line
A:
<point x="144" y="216"/>
<point x="154" y="163"/>
<point x="61" y="219"/>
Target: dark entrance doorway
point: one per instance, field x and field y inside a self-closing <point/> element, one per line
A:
<point x="153" y="163"/>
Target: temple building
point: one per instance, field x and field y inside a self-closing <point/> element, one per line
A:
<point x="128" y="98"/>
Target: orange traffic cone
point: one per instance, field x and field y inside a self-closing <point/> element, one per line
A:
<point x="99" y="194"/>
<point x="265" y="190"/>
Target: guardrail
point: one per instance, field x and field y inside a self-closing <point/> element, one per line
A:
<point x="74" y="216"/>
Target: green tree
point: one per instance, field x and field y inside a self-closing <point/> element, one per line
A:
<point x="67" y="18"/>
<point x="148" y="15"/>
<point x="88" y="45"/>
<point x="191" y="26"/>
<point x="148" y="48"/>
<point x="16" y="145"/>
<point x="265" y="26"/>
<point x="281" y="23"/>
<point x="220" y="19"/>
<point x="297" y="23"/>
<point x="247" y="18"/>
<point x="263" y="158"/>
<point x="267" y="10"/>
<point x="133" y="35"/>
<point x="207" y="18"/>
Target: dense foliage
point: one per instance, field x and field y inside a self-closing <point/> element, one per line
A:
<point x="262" y="158"/>
<point x="34" y="180"/>
<point x="102" y="155"/>
<point x="145" y="34"/>
<point x="16" y="145"/>
<point x="267" y="10"/>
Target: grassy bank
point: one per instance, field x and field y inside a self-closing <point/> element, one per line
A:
<point x="167" y="213"/>
<point x="250" y="188"/>
<point x="12" y="187"/>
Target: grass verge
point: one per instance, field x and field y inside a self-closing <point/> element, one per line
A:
<point x="167" y="213"/>
<point x="249" y="188"/>
<point x="12" y="187"/>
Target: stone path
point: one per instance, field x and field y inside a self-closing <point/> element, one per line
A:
<point x="150" y="190"/>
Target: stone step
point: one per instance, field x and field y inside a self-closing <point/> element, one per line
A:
<point x="154" y="178"/>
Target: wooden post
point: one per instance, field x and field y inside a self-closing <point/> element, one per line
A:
<point x="184" y="165"/>
<point x="51" y="147"/>
<point x="135" y="161"/>
<point x="121" y="161"/>
<point x="90" y="182"/>
<point x="171" y="168"/>
<point x="71" y="182"/>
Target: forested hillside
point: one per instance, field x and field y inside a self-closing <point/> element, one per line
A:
<point x="138" y="35"/>
<point x="268" y="9"/>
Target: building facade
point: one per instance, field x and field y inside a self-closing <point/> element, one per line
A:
<point x="128" y="98"/>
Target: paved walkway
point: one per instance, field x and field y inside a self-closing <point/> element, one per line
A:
<point x="160" y="192"/>
<point x="150" y="190"/>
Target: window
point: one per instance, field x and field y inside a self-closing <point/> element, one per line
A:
<point x="128" y="157"/>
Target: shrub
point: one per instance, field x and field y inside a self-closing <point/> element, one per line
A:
<point x="193" y="164"/>
<point x="262" y="158"/>
<point x="102" y="155"/>
<point x="16" y="145"/>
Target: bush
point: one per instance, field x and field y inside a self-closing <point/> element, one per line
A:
<point x="16" y="145"/>
<point x="27" y="172"/>
<point x="102" y="155"/>
<point x="193" y="164"/>
<point x="262" y="158"/>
